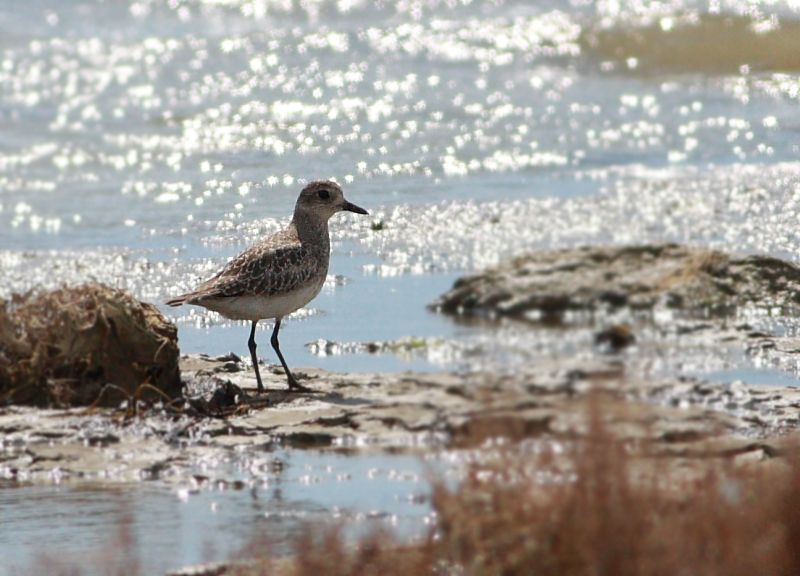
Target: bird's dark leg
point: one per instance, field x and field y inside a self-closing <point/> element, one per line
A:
<point x="252" y="345"/>
<point x="294" y="386"/>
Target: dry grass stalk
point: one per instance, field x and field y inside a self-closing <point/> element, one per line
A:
<point x="597" y="508"/>
<point x="618" y="514"/>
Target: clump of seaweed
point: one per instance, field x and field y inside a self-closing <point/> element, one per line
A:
<point x="90" y="344"/>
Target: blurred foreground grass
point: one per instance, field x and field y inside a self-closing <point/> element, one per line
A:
<point x="590" y="506"/>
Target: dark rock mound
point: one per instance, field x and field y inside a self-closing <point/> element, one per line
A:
<point x="63" y="347"/>
<point x="548" y="284"/>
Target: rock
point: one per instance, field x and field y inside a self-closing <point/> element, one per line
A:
<point x="225" y="400"/>
<point x="550" y="284"/>
<point x="63" y="347"/>
<point x="615" y="338"/>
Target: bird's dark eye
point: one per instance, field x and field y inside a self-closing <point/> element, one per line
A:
<point x="324" y="195"/>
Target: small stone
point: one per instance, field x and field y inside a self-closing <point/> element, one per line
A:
<point x="615" y="338"/>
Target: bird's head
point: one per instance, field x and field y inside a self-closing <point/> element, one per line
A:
<point x="323" y="199"/>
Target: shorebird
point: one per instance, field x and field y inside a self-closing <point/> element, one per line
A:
<point x="277" y="275"/>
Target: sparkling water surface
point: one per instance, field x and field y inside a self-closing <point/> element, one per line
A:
<point x="144" y="143"/>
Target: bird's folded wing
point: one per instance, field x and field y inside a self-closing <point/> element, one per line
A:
<point x="262" y="270"/>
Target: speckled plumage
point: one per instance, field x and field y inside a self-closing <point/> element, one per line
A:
<point x="280" y="274"/>
<point x="276" y="266"/>
<point x="284" y="263"/>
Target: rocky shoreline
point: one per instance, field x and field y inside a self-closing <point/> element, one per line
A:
<point x="676" y="416"/>
<point x="553" y="283"/>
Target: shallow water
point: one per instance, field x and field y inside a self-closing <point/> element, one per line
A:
<point x="143" y="143"/>
<point x="157" y="528"/>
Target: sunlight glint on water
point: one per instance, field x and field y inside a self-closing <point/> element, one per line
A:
<point x="145" y="142"/>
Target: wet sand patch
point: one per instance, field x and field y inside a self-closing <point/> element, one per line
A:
<point x="392" y="411"/>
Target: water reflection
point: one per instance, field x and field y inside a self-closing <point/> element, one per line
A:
<point x="158" y="528"/>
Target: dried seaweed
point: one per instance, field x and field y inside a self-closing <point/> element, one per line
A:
<point x="62" y="348"/>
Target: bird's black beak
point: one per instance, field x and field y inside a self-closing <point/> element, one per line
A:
<point x="350" y="207"/>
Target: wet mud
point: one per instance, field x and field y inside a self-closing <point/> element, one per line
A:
<point x="392" y="411"/>
<point x="220" y="432"/>
<point x="220" y="413"/>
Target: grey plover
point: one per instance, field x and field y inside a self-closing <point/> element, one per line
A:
<point x="278" y="275"/>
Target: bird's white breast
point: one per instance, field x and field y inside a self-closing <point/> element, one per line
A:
<point x="255" y="307"/>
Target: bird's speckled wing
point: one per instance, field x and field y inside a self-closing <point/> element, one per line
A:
<point x="277" y="265"/>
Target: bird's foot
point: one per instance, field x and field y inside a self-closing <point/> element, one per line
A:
<point x="295" y="386"/>
<point x="260" y="386"/>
